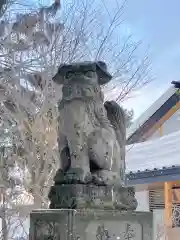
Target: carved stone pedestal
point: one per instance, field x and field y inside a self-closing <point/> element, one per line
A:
<point x="90" y="225"/>
<point x="70" y="193"/>
<point x="78" y="196"/>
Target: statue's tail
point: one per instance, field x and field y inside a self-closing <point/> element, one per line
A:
<point x="117" y="118"/>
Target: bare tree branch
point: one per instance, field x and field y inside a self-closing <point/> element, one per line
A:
<point x="32" y="46"/>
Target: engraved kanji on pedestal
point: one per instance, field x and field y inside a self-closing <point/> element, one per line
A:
<point x="102" y="233"/>
<point x="129" y="233"/>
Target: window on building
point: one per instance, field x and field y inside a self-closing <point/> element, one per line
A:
<point x="156" y="199"/>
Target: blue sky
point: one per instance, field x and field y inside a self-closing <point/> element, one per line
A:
<point x="156" y="23"/>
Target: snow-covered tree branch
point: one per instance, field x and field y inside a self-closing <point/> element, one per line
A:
<point x="32" y="45"/>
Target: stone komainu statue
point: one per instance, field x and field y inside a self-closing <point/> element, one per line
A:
<point x="92" y="134"/>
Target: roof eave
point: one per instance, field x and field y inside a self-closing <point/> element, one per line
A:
<point x="155" y="175"/>
<point x="150" y="111"/>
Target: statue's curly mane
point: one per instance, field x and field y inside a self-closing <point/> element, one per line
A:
<point x="92" y="96"/>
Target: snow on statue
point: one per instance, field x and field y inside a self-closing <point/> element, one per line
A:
<point x="91" y="133"/>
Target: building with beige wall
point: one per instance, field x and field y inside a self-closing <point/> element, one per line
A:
<point x="153" y="160"/>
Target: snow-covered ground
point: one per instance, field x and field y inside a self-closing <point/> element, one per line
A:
<point x="158" y="153"/>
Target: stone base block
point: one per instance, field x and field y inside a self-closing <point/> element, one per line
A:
<point x="90" y="225"/>
<point x="76" y="196"/>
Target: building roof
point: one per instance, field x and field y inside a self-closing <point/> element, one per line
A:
<point x="155" y="175"/>
<point x="154" y="161"/>
<point x="154" y="154"/>
<point x="153" y="114"/>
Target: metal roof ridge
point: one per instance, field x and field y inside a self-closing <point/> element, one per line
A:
<point x="154" y="169"/>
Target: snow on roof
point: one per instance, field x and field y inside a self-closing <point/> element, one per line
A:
<point x="150" y="111"/>
<point x="158" y="153"/>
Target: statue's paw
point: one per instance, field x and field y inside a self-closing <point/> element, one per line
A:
<point x="86" y="178"/>
<point x="79" y="176"/>
<point x="105" y="177"/>
<point x="98" y="180"/>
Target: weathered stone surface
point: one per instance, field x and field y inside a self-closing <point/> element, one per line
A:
<point x="92" y="134"/>
<point x="90" y="225"/>
<point x="90" y="183"/>
<point x="76" y="196"/>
